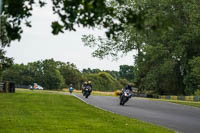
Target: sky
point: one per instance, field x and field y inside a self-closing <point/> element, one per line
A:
<point x="38" y="43"/>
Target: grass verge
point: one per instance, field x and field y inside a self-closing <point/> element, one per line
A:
<point x="188" y="103"/>
<point x="32" y="112"/>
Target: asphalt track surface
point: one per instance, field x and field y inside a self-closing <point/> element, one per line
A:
<point x="183" y="119"/>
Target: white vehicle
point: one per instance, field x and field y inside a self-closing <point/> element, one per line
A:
<point x="37" y="87"/>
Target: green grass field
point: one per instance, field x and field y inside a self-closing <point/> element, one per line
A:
<point x="33" y="112"/>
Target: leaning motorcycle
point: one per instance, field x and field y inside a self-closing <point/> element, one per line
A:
<point x="125" y="96"/>
<point x="87" y="91"/>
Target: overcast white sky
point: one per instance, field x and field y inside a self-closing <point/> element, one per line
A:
<point x="38" y="43"/>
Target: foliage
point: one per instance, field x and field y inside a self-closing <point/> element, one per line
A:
<point x="165" y="45"/>
<point x="197" y="93"/>
<point x="164" y="33"/>
<point x="57" y="75"/>
<point x="192" y="80"/>
<point x="85" y="13"/>
<point x="13" y="15"/>
<point x="71" y="74"/>
<point x="88" y="13"/>
<point x="123" y="82"/>
<point x="16" y="12"/>
<point x="89" y="70"/>
<point x="51" y="76"/>
<point x="44" y="73"/>
<point x="92" y="13"/>
<point x="126" y="72"/>
<point x="103" y="81"/>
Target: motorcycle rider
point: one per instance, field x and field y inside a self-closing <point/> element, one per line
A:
<point x="128" y="87"/>
<point x="84" y="86"/>
<point x="70" y="88"/>
<point x="89" y="84"/>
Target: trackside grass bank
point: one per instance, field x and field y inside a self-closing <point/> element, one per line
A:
<point x="33" y="112"/>
<point x="188" y="103"/>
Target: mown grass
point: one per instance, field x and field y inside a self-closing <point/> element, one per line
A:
<point x="33" y="112"/>
<point x="188" y="103"/>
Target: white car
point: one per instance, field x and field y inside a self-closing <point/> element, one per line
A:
<point x="39" y="87"/>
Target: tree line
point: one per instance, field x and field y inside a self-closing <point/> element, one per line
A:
<point x="53" y="74"/>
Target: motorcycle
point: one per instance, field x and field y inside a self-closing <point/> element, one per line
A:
<point x="125" y="96"/>
<point x="87" y="90"/>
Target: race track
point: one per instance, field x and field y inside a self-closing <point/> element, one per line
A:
<point x="184" y="119"/>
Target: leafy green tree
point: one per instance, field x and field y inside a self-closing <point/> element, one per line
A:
<point x="18" y="74"/>
<point x="123" y="82"/>
<point x="89" y="70"/>
<point x="114" y="74"/>
<point x="110" y="15"/>
<point x="86" y="13"/>
<point x="103" y="81"/>
<point x="165" y="44"/>
<point x="45" y="73"/>
<point x="14" y="14"/>
<point x="126" y="72"/>
<point x="52" y="78"/>
<point x="71" y="74"/>
<point x="192" y="80"/>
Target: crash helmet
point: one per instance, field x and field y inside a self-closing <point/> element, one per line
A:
<point x="129" y="85"/>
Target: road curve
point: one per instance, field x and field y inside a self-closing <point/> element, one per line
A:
<point x="184" y="119"/>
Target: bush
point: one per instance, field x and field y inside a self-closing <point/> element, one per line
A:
<point x="103" y="81"/>
<point x="197" y="93"/>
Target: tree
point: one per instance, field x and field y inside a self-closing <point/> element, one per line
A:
<point x="19" y="74"/>
<point x="13" y="14"/>
<point x="71" y="74"/>
<point x="103" y="81"/>
<point x="44" y="73"/>
<point x="51" y="76"/>
<point x="114" y="74"/>
<point x="91" y="70"/>
<point x="85" y="13"/>
<point x="90" y="13"/>
<point x="192" y="80"/>
<point x="167" y="41"/>
<point x="5" y="62"/>
<point x="126" y="72"/>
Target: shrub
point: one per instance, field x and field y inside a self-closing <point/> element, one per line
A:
<point x="197" y="93"/>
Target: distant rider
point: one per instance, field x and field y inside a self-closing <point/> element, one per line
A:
<point x="70" y="88"/>
<point x="84" y="86"/>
